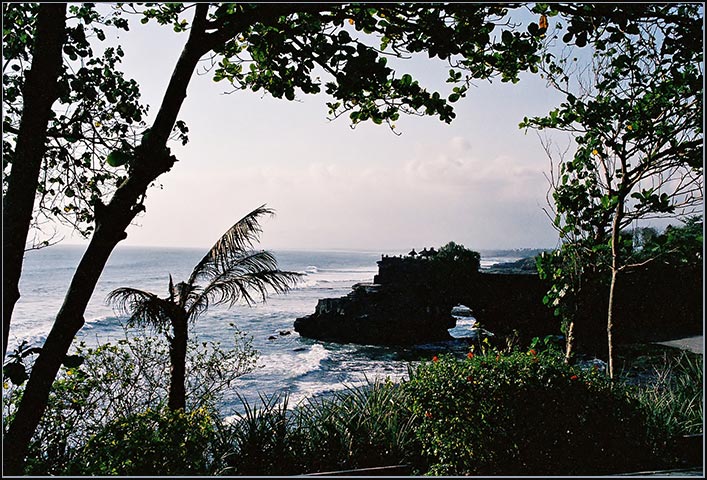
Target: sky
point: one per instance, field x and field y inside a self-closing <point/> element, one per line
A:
<point x="479" y="181"/>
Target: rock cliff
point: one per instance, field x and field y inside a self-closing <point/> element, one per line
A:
<point x="411" y="299"/>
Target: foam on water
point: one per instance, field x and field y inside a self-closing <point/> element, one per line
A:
<point x="294" y="363"/>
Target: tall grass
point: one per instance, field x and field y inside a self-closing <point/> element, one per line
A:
<point x="358" y="427"/>
<point x="675" y="400"/>
<point x="365" y="426"/>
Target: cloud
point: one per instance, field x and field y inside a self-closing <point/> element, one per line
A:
<point x="431" y="194"/>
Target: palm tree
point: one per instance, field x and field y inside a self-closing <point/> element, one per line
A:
<point x="230" y="272"/>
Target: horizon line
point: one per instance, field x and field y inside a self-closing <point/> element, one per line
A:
<point x="311" y="249"/>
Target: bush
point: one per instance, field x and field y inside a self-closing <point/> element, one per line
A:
<point x="526" y="413"/>
<point x="360" y="427"/>
<point x="111" y="382"/>
<point x="154" y="442"/>
<point x="259" y="440"/>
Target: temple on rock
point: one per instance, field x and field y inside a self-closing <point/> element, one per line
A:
<point x="411" y="298"/>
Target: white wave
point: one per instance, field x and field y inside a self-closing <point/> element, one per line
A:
<point x="311" y="269"/>
<point x="461" y="311"/>
<point x="491" y="261"/>
<point x="466" y="327"/>
<point x="308" y="390"/>
<point x="305" y="283"/>
<point x="293" y="364"/>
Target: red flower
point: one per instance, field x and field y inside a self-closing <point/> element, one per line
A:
<point x="533" y="352"/>
<point x="469" y="379"/>
<point x="434" y="359"/>
<point x="428" y="414"/>
<point x="469" y="355"/>
<point x="574" y="377"/>
<point x="498" y="357"/>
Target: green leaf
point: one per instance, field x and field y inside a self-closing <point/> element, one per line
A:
<point x="116" y="158"/>
<point x="73" y="361"/>
<point x="506" y="37"/>
<point x="16" y="372"/>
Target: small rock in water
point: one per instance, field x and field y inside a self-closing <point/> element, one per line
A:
<point x="299" y="349"/>
<point x="285" y="332"/>
<point x="272" y="337"/>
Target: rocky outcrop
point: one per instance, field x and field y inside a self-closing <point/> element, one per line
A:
<point x="380" y="315"/>
<point x="411" y="300"/>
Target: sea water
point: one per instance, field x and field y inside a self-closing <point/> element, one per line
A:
<point x="287" y="363"/>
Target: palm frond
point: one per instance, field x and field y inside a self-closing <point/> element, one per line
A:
<point x="249" y="277"/>
<point x="142" y="308"/>
<point x="236" y="240"/>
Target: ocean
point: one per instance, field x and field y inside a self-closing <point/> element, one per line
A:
<point x="287" y="363"/>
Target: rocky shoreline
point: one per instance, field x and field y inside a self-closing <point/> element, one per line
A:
<point x="411" y="299"/>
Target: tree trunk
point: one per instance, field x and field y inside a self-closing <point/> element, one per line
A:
<point x="615" y="266"/>
<point x="610" y="321"/>
<point x="569" y="342"/>
<point x="111" y="222"/>
<point x="38" y="95"/>
<point x="177" y="357"/>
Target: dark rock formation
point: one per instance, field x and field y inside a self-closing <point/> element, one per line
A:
<point x="376" y="315"/>
<point x="411" y="299"/>
<point x="654" y="303"/>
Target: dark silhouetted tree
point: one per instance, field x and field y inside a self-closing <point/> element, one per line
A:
<point x="231" y="271"/>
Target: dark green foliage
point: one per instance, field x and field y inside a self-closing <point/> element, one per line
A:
<point x="344" y="42"/>
<point x="14" y="368"/>
<point x="679" y="246"/>
<point x="358" y="427"/>
<point x="117" y="381"/>
<point x="98" y="112"/>
<point x="675" y="399"/>
<point x="154" y="442"/>
<point x="260" y="440"/>
<point x="526" y="413"/>
<point x="452" y="252"/>
<point x="518" y="413"/>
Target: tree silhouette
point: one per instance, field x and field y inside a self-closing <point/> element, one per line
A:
<point x="231" y="271"/>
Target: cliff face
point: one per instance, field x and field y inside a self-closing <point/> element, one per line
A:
<point x="411" y="299"/>
<point x="375" y="314"/>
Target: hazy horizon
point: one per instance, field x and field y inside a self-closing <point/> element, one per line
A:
<point x="397" y="251"/>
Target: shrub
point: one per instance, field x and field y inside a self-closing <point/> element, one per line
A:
<point x="154" y="442"/>
<point x="359" y="427"/>
<point x="114" y="381"/>
<point x="525" y="413"/>
<point x="258" y="439"/>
